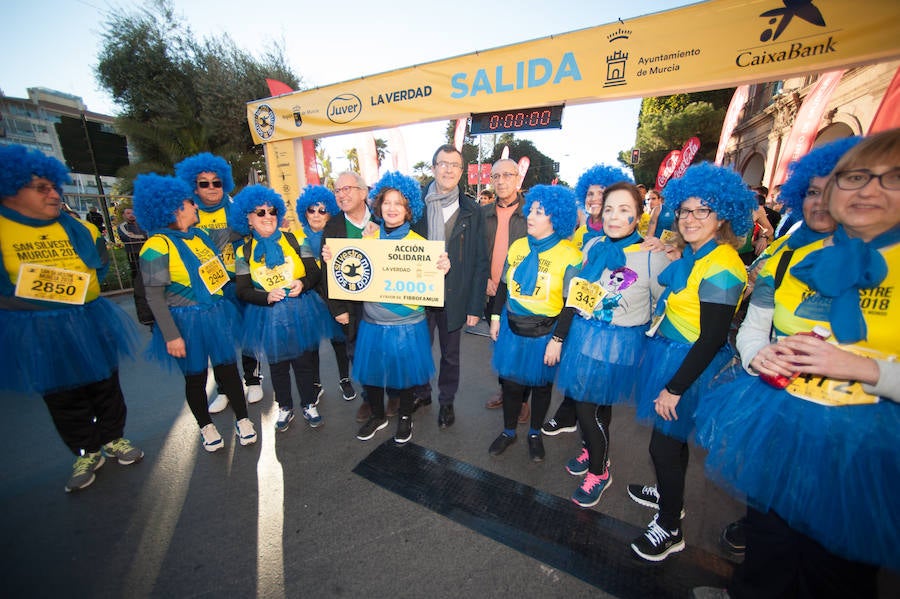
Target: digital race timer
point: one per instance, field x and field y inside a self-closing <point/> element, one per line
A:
<point x="526" y="119"/>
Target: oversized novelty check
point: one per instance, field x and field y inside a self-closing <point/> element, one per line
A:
<point x="381" y="270"/>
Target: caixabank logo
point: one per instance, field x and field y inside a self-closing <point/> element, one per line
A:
<point x="803" y="23"/>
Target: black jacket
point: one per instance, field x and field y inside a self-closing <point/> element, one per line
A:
<point x="465" y="283"/>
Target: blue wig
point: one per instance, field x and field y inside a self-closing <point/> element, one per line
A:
<point x="818" y="163"/>
<point x="408" y="188"/>
<point x="18" y="165"/>
<point x="718" y="188"/>
<point x="248" y="200"/>
<point x="157" y="198"/>
<point x="559" y="204"/>
<point x="313" y="195"/>
<point x="188" y="169"/>
<point x="601" y="175"/>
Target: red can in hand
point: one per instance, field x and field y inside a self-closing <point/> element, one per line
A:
<point x="779" y="381"/>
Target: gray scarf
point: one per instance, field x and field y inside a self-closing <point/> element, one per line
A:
<point x="434" y="207"/>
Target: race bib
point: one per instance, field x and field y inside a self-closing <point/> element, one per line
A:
<point x="228" y="256"/>
<point x="584" y="296"/>
<point x="49" y="284"/>
<point x="275" y="278"/>
<point x="668" y="237"/>
<point x="830" y="392"/>
<point x="213" y="274"/>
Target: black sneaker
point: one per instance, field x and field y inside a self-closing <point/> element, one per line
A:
<point x="646" y="495"/>
<point x="535" y="448"/>
<point x="446" y="417"/>
<point x="372" y="426"/>
<point x="734" y="538"/>
<point x="347" y="390"/>
<point x="657" y="543"/>
<point x="420" y="402"/>
<point x="500" y="444"/>
<point x="552" y="427"/>
<point x="404" y="430"/>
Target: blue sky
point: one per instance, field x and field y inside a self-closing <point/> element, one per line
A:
<point x="54" y="44"/>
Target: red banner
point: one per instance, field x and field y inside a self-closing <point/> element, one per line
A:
<point x="666" y="168"/>
<point x="688" y="151"/>
<point x="888" y="115"/>
<point x="806" y="125"/>
<point x="741" y="94"/>
<point x="524" y="163"/>
<point x="473" y="174"/>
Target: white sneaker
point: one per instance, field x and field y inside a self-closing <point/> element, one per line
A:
<point x="254" y="393"/>
<point x="212" y="440"/>
<point x="218" y="404"/>
<point x="245" y="431"/>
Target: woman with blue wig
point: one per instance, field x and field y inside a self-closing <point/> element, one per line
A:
<point x="589" y="192"/>
<point x="59" y="337"/>
<point x="529" y="299"/>
<point x="817" y="455"/>
<point x="315" y="207"/>
<point x="284" y="320"/>
<point x="600" y="363"/>
<point x="713" y="208"/>
<point x="184" y="275"/>
<point x="393" y="347"/>
<point x="803" y="193"/>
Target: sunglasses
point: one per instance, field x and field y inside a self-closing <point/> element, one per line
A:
<point x="313" y="210"/>
<point x="262" y="212"/>
<point x="205" y="184"/>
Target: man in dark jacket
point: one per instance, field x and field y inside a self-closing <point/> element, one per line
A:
<point x="504" y="222"/>
<point x="456" y="219"/>
<point x="350" y="192"/>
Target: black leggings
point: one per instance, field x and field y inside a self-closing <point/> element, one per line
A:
<point x="89" y="416"/>
<point x="670" y="460"/>
<point x="594" y="420"/>
<point x="229" y="381"/>
<point x="375" y="398"/>
<point x="303" y="374"/>
<point x="514" y="395"/>
<point x="340" y="356"/>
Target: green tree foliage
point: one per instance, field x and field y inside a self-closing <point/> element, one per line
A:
<point x="422" y="172"/>
<point x="180" y="95"/>
<point x="666" y="122"/>
<point x="540" y="172"/>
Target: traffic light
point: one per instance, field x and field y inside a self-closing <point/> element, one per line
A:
<point x="635" y="156"/>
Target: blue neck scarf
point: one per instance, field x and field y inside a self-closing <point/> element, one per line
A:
<point x="591" y="230"/>
<point x="223" y="203"/>
<point x="839" y="271"/>
<point x="607" y="253"/>
<point x="269" y="248"/>
<point x="675" y="276"/>
<point x="397" y="233"/>
<point x="79" y="236"/>
<point x="190" y="259"/>
<point x="314" y="237"/>
<point x="526" y="273"/>
<point x="803" y="236"/>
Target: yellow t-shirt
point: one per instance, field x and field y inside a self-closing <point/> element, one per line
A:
<point x="547" y="299"/>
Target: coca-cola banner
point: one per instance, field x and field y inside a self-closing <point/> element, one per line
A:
<point x="666" y="168"/>
<point x="741" y="94"/>
<point x="688" y="151"/>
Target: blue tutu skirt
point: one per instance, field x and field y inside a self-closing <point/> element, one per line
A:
<point x="397" y="356"/>
<point x="521" y="359"/>
<point x="832" y="473"/>
<point x="284" y="330"/>
<point x="662" y="358"/>
<point x="46" y="351"/>
<point x="601" y="362"/>
<point x="210" y="333"/>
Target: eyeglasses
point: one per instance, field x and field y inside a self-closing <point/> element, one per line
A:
<point x="345" y="189"/>
<point x="313" y="210"/>
<point x="450" y="166"/>
<point x="853" y="180"/>
<point x="262" y="212"/>
<point x="204" y="184"/>
<point x="698" y="213"/>
<point x="498" y="176"/>
<point x="43" y="188"/>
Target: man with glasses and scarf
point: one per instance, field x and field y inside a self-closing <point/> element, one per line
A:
<point x="455" y="219"/>
<point x="210" y="178"/>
